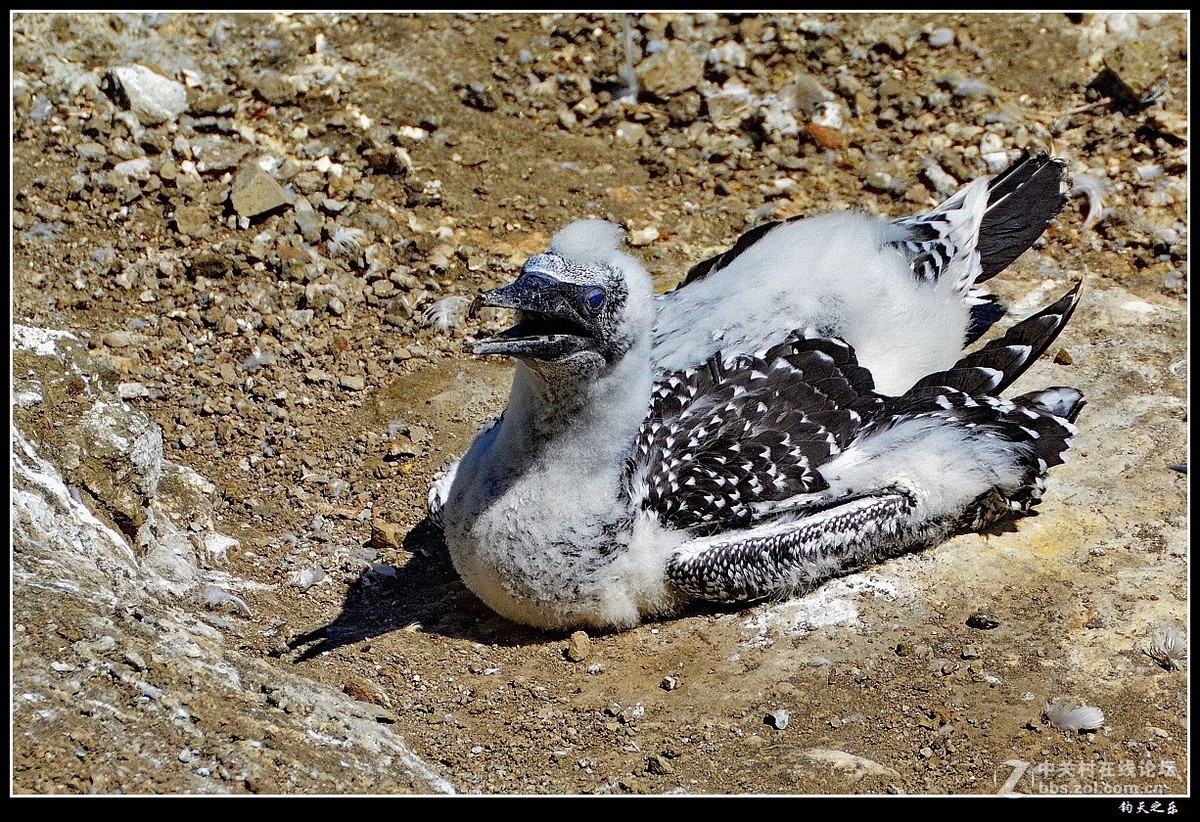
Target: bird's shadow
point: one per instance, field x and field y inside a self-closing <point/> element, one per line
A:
<point x="423" y="594"/>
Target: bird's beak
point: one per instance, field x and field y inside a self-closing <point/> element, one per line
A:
<point x="549" y="326"/>
<point x="530" y="292"/>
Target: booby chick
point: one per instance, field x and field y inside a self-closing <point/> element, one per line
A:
<point x="798" y="408"/>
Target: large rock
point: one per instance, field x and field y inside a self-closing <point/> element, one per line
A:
<point x="153" y="98"/>
<point x="673" y="70"/>
<point x="256" y="192"/>
<point x="145" y="616"/>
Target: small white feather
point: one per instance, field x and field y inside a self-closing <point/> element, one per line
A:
<point x="1168" y="648"/>
<point x="446" y="313"/>
<point x="344" y="242"/>
<point x="1094" y="188"/>
<point x="1070" y="716"/>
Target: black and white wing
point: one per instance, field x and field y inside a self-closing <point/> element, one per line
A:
<point x="1037" y="426"/>
<point x="1021" y="202"/>
<point x="733" y="433"/>
<point x="952" y="240"/>
<point x="947" y="456"/>
<point x="995" y="366"/>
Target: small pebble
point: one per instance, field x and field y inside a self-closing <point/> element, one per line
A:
<point x="777" y="719"/>
<point x="940" y="38"/>
<point x="659" y="765"/>
<point x="386" y="536"/>
<point x="983" y="621"/>
<point x="579" y="647"/>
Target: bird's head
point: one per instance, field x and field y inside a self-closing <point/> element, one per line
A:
<point x="581" y="305"/>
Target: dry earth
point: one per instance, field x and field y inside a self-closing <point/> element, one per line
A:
<point x="259" y="259"/>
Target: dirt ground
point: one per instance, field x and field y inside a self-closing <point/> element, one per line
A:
<point x="308" y="360"/>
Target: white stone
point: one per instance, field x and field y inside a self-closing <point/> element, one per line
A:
<point x="729" y="106"/>
<point x="643" y="236"/>
<point x="939" y="38"/>
<point x="152" y="97"/>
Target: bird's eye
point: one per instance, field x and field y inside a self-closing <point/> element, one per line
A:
<point x="594" y="297"/>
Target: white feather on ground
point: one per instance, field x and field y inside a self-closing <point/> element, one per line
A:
<point x="1070" y="716"/>
<point x="1169" y="648"/>
<point x="1094" y="188"/>
<point x="345" y="242"/>
<point x="446" y="313"/>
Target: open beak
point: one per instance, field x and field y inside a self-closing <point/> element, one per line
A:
<point x="549" y="325"/>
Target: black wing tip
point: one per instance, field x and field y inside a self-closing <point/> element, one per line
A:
<point x="1022" y="202"/>
<point x="1059" y="312"/>
<point x="1065" y="306"/>
<point x="975" y="373"/>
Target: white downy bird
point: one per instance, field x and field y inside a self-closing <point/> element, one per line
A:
<point x="799" y="407"/>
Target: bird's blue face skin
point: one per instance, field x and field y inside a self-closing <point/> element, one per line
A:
<point x="563" y="312"/>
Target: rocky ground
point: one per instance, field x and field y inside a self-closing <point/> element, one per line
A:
<point x="242" y="250"/>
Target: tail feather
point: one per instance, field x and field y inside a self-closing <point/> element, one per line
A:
<point x="1022" y="201"/>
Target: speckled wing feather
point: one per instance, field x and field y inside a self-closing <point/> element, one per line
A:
<point x="736" y="432"/>
<point x="928" y="244"/>
<point x="825" y="536"/>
